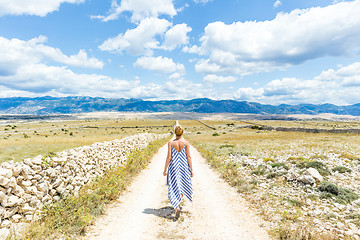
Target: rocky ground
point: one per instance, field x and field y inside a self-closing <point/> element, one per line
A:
<point x="315" y="192"/>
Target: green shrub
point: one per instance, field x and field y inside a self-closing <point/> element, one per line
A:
<point x="294" y="202"/>
<point x="342" y="195"/>
<point x="321" y="167"/>
<point x="274" y="175"/>
<point x="296" y="160"/>
<point x="322" y="157"/>
<point x="341" y="169"/>
<point x="227" y="146"/>
<point x="216" y="134"/>
<point x="259" y="171"/>
<point x="278" y="165"/>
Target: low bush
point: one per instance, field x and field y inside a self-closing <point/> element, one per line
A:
<point x="275" y="174"/>
<point x="320" y="166"/>
<point x="279" y="165"/>
<point x="341" y="169"/>
<point x="259" y="171"/>
<point x="227" y="146"/>
<point x="322" y="157"/>
<point x="341" y="195"/>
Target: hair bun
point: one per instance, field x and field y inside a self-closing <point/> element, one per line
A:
<point x="179" y="131"/>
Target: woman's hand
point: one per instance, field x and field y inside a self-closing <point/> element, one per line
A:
<point x="164" y="173"/>
<point x="192" y="173"/>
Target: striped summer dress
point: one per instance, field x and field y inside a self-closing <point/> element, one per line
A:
<point x="179" y="177"/>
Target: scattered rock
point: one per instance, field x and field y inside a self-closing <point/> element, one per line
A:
<point x="314" y="174"/>
<point x="7" y="173"/>
<point x="4" y="232"/>
<point x="306" y="179"/>
<point x="5" y="224"/>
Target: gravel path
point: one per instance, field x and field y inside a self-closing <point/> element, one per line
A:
<point x="144" y="212"/>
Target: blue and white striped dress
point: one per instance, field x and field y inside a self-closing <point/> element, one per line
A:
<point x="179" y="177"/>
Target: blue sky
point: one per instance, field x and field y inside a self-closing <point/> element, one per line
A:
<point x="268" y="51"/>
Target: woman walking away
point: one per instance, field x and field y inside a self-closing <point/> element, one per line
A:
<point x="180" y="170"/>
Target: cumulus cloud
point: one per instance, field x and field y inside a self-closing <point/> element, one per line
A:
<point x="39" y="79"/>
<point x="175" y="89"/>
<point x="331" y="86"/>
<point x="43" y="80"/>
<point x="289" y="39"/>
<point x="161" y="64"/>
<point x="140" y="9"/>
<point x="15" y="52"/>
<point x="277" y="3"/>
<point x="219" y="79"/>
<point x="140" y="40"/>
<point x="176" y="36"/>
<point x="32" y="7"/>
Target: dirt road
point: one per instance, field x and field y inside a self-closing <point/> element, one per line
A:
<point x="144" y="212"/>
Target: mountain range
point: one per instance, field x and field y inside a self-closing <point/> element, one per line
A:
<point x="66" y="105"/>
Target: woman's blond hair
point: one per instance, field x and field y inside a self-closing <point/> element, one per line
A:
<point x="179" y="131"/>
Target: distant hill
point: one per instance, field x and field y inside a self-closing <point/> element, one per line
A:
<point x="63" y="105"/>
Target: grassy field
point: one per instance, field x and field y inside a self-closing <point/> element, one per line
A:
<point x="272" y="143"/>
<point x="20" y="140"/>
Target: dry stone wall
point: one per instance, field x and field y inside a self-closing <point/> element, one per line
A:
<point x="25" y="187"/>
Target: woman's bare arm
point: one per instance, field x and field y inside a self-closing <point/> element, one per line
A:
<point x="187" y="145"/>
<point x="168" y="158"/>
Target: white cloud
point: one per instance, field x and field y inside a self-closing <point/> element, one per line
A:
<point x="202" y="1"/>
<point x="32" y="7"/>
<point x="42" y="80"/>
<point x="15" y="52"/>
<point x="140" y="40"/>
<point x="176" y="36"/>
<point x="289" y="39"/>
<point x="192" y="49"/>
<point x="140" y="9"/>
<point x="339" y="87"/>
<point x="219" y="79"/>
<point x="172" y="90"/>
<point x="277" y="3"/>
<point x="161" y="64"/>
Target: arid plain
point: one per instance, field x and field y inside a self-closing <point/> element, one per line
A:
<point x="267" y="168"/>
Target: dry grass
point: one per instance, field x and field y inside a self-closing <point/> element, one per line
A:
<point x="252" y="141"/>
<point x="22" y="140"/>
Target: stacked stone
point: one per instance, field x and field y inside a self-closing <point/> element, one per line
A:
<point x="25" y="187"/>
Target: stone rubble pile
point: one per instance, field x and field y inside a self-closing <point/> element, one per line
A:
<point x="25" y="187"/>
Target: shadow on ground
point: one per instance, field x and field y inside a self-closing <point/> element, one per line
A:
<point x="164" y="212"/>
